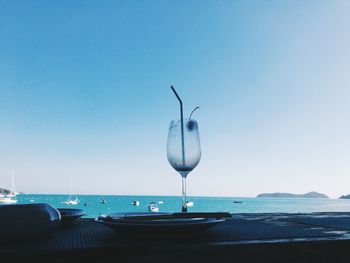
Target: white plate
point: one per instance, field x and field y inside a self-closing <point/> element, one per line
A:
<point x="120" y="223"/>
<point x="157" y="226"/>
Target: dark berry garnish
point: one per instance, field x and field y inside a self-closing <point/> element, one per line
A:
<point x="191" y="125"/>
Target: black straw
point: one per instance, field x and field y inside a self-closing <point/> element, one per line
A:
<point x="182" y="126"/>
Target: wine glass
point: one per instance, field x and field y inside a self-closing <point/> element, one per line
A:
<point x="183" y="150"/>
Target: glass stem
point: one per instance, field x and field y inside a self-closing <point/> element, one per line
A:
<point x="184" y="203"/>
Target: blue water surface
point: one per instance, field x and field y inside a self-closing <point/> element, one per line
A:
<point x="95" y="205"/>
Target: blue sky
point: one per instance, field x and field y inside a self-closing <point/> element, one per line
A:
<point x="84" y="95"/>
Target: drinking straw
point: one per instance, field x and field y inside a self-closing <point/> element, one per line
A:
<point x="193" y="111"/>
<point x="182" y="126"/>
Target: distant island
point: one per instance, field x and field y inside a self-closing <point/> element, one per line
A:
<point x="307" y="195"/>
<point x="345" y="197"/>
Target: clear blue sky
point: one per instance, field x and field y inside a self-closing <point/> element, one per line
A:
<point x="84" y="94"/>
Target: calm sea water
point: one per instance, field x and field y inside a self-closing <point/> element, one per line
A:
<point x="93" y="205"/>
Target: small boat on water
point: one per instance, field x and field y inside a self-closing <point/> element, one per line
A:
<point x="237" y="202"/>
<point x="135" y="203"/>
<point x="160" y="202"/>
<point x="71" y="201"/>
<point x="153" y="207"/>
<point x="12" y="189"/>
<point x="9" y="197"/>
<point x="7" y="200"/>
<point x="189" y="204"/>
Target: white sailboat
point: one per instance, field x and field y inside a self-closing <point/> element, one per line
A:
<point x="189" y="204"/>
<point x="9" y="198"/>
<point x="12" y="189"/>
<point x="70" y="201"/>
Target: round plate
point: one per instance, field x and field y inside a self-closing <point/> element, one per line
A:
<point x="70" y="214"/>
<point x="124" y="222"/>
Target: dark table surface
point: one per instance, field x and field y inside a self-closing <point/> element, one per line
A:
<point x="247" y="237"/>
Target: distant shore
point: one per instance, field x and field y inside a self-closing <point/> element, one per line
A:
<point x="289" y="195"/>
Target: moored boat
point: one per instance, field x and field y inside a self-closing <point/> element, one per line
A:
<point x="7" y="200"/>
<point x="135" y="203"/>
<point x="71" y="201"/>
<point x="189" y="204"/>
<point x="153" y="207"/>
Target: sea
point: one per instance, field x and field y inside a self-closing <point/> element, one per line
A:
<point x="95" y="205"/>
